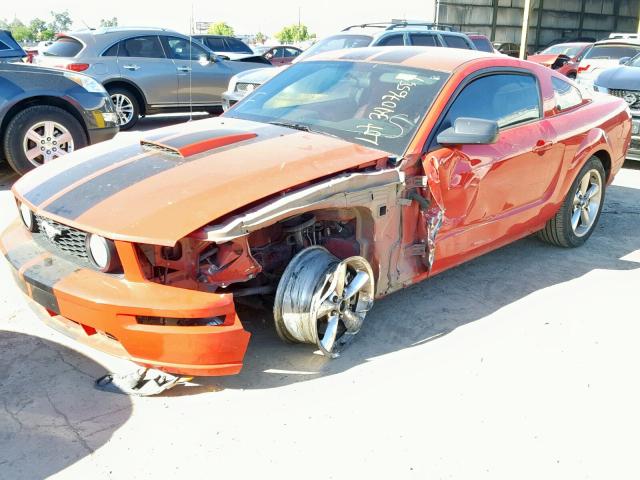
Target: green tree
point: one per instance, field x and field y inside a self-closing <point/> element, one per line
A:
<point x="294" y="33"/>
<point x="261" y="38"/>
<point x="61" y="21"/>
<point x="37" y="26"/>
<point x="3" y="24"/>
<point x="20" y="31"/>
<point x="221" y="28"/>
<point x="113" y="22"/>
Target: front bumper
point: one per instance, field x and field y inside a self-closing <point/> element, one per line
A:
<point x="634" y="149"/>
<point x="98" y="135"/>
<point x="229" y="99"/>
<point x="102" y="310"/>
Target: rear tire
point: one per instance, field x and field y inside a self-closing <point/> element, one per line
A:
<point x="48" y="131"/>
<point x="579" y="214"/>
<point x="127" y="106"/>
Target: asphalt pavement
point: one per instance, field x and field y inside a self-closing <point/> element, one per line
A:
<point x="520" y="364"/>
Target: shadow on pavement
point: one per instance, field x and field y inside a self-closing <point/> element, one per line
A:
<point x="437" y="306"/>
<point x="51" y="414"/>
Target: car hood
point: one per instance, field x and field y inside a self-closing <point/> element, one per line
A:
<point x="259" y="75"/>
<point x="620" y="78"/>
<point x="165" y="184"/>
<point x="543" y="59"/>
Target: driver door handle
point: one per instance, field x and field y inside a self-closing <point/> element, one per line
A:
<point x="542" y="146"/>
<point x="184" y="69"/>
<point x="131" y="67"/>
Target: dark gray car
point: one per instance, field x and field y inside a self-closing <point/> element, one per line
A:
<point x="146" y="70"/>
<point x="624" y="82"/>
<point x="47" y="113"/>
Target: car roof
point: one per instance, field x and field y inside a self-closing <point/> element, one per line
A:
<point x="432" y="58"/>
<point x="571" y="44"/>
<point x="619" y="41"/>
<point x="116" y="31"/>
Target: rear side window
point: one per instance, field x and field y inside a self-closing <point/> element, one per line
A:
<point x="424" y="40"/>
<point x="482" y="44"/>
<point x="237" y="46"/>
<point x="612" y="52"/>
<point x="63" y="47"/>
<point x="143" y="47"/>
<point x="291" y="52"/>
<point x="453" y="41"/>
<point x="4" y="46"/>
<point x="509" y="99"/>
<point x="567" y="96"/>
<point x="112" y="51"/>
<point x="215" y="44"/>
<point x="392" y="40"/>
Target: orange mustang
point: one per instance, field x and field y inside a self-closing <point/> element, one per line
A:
<point x="343" y="179"/>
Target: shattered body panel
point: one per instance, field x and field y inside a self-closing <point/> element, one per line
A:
<point x="205" y="214"/>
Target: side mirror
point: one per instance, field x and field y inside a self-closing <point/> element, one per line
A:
<point x="221" y="57"/>
<point x="624" y="60"/>
<point x="468" y="131"/>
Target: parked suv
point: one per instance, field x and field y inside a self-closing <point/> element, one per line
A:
<point x="232" y="48"/>
<point x="47" y="113"/>
<point x="605" y="54"/>
<point x="357" y="36"/>
<point x="146" y="70"/>
<point x="624" y="81"/>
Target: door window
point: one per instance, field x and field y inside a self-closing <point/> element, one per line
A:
<point x="509" y="99"/>
<point x="143" y="47"/>
<point x="567" y="96"/>
<point x="453" y="41"/>
<point x="183" y="49"/>
<point x="392" y="40"/>
<point x="291" y="52"/>
<point x="237" y="46"/>
<point x="424" y="40"/>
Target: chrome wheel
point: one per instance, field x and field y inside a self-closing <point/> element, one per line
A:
<point x="45" y="141"/>
<point x="124" y="108"/>
<point x="322" y="300"/>
<point x="586" y="203"/>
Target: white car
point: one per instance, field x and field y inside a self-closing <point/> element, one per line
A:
<point x="605" y="54"/>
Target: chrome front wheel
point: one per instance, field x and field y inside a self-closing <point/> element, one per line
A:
<point x="322" y="300"/>
<point x="586" y="202"/>
<point x="45" y="141"/>
<point x="124" y="108"/>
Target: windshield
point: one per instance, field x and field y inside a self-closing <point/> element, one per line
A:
<point x="568" y="50"/>
<point x="336" y="42"/>
<point x="634" y="62"/>
<point x="612" y="52"/>
<point x="371" y="104"/>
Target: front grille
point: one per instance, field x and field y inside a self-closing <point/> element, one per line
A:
<point x="245" y="87"/>
<point x="635" y="144"/>
<point x="63" y="238"/>
<point x="621" y="94"/>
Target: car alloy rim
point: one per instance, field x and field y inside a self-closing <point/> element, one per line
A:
<point x="45" y="141"/>
<point x="322" y="300"/>
<point x="124" y="108"/>
<point x="586" y="203"/>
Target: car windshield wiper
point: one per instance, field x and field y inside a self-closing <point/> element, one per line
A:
<point x="297" y="126"/>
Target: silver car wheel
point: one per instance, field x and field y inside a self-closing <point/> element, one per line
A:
<point x="124" y="108"/>
<point x="586" y="203"/>
<point x="45" y="141"/>
<point x="322" y="300"/>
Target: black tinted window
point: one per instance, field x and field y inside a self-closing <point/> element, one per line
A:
<point x="112" y="51"/>
<point x="4" y="46"/>
<point x="142" y="47"/>
<point x="63" y="47"/>
<point x="237" y="46"/>
<point x="607" y="52"/>
<point x="392" y="40"/>
<point x="509" y="99"/>
<point x="482" y="44"/>
<point x="453" y="41"/>
<point x="567" y="96"/>
<point x="183" y="49"/>
<point x="424" y="40"/>
<point x="215" y="44"/>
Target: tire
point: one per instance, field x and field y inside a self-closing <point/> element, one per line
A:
<point x="33" y="121"/>
<point x="562" y="230"/>
<point x="123" y="98"/>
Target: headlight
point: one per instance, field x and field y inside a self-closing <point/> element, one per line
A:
<point x="598" y="88"/>
<point x="102" y="252"/>
<point x="232" y="84"/>
<point x="88" y="83"/>
<point x="110" y="117"/>
<point x="27" y="216"/>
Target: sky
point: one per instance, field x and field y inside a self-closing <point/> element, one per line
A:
<point x="323" y="17"/>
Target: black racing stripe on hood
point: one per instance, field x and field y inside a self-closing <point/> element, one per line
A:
<point x="76" y="202"/>
<point x="87" y="195"/>
<point x="68" y="177"/>
<point x="197" y="137"/>
<point x="396" y="56"/>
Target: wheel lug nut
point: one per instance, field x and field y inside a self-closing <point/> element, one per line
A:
<point x="42" y="141"/>
<point x="42" y="148"/>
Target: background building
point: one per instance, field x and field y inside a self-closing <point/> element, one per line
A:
<point x="501" y="20"/>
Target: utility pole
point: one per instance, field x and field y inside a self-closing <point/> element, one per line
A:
<point x="525" y="28"/>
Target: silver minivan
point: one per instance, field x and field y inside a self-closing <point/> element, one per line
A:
<point x="146" y="70"/>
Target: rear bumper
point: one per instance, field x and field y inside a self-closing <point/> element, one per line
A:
<point x="101" y="310"/>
